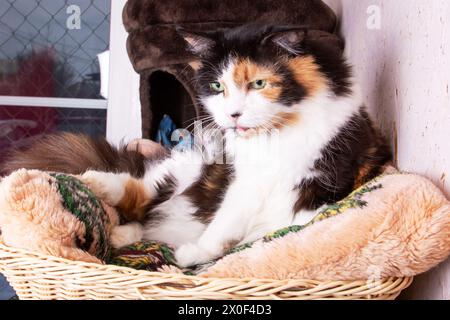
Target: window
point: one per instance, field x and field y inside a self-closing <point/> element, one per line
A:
<point x="50" y="75"/>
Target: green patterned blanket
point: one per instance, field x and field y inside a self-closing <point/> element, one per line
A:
<point x="152" y="256"/>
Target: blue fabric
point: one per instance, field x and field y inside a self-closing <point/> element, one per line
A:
<point x="165" y="130"/>
<point x="6" y="292"/>
<point x="169" y="136"/>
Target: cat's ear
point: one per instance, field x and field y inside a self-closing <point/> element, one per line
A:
<point x="200" y="44"/>
<point x="289" y="39"/>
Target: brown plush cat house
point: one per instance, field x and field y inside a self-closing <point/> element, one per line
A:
<point x="158" y="53"/>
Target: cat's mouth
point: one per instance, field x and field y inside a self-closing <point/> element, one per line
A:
<point x="241" y="129"/>
<point x="244" y="132"/>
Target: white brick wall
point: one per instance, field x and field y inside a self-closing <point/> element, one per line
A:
<point x="404" y="70"/>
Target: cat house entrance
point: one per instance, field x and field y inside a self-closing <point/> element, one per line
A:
<point x="168" y="96"/>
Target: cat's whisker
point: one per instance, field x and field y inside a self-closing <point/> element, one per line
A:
<point x="197" y="121"/>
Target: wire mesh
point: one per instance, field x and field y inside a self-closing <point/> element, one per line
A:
<point x="42" y="54"/>
<point x="49" y="48"/>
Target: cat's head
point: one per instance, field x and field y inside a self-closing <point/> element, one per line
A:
<point x="257" y="77"/>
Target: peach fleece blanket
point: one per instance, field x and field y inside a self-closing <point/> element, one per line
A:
<point x="396" y="226"/>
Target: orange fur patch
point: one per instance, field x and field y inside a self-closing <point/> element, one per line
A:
<point x="279" y="121"/>
<point x="363" y="172"/>
<point x="271" y="92"/>
<point x="195" y="65"/>
<point x="247" y="71"/>
<point x="284" y="119"/>
<point x="366" y="170"/>
<point x="307" y="73"/>
<point x="134" y="201"/>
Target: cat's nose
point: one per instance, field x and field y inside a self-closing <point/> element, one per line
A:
<point x="236" y="115"/>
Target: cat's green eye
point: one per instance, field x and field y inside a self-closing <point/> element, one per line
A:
<point x="259" y="84"/>
<point x="217" y="86"/>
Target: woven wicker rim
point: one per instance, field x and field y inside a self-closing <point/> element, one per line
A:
<point x="38" y="276"/>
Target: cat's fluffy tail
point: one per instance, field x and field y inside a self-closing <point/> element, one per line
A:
<point x="74" y="154"/>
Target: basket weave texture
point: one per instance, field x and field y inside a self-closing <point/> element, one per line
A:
<point x="36" y="276"/>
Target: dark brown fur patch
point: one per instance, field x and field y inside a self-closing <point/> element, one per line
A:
<point x="208" y="191"/>
<point x="164" y="191"/>
<point x="354" y="157"/>
<point x="310" y="195"/>
<point x="75" y="154"/>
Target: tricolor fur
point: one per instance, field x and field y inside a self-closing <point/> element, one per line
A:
<point x="296" y="137"/>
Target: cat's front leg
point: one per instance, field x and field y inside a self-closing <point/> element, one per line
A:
<point x="227" y="229"/>
<point x="120" y="190"/>
<point x="127" y="234"/>
<point x="108" y="186"/>
<point x="213" y="244"/>
<point x="191" y="254"/>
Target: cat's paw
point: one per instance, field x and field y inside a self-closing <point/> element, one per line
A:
<point x="109" y="187"/>
<point x="126" y="235"/>
<point x="191" y="254"/>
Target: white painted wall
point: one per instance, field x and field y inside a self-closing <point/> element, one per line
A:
<point x="124" y="107"/>
<point x="404" y="70"/>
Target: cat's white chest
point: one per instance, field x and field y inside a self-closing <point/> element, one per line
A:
<point x="270" y="189"/>
<point x="267" y="175"/>
<point x="276" y="199"/>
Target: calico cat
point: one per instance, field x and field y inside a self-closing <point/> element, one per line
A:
<point x="296" y="136"/>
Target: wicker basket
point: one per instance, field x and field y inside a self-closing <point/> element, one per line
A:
<point x="36" y="276"/>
